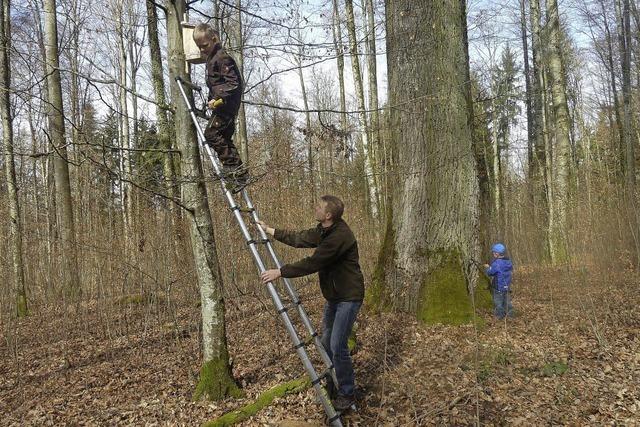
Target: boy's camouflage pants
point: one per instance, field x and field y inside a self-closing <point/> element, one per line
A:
<point x="218" y="135"/>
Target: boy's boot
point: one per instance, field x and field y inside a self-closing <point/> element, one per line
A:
<point x="342" y="402"/>
<point x="237" y="177"/>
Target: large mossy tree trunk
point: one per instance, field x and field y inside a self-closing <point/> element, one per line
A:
<point x="426" y="262"/>
<point x="216" y="380"/>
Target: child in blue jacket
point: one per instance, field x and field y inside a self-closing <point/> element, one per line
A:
<point x="500" y="271"/>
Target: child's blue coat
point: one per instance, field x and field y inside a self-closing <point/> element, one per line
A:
<point x="501" y="269"/>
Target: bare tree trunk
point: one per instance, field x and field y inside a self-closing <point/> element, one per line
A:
<point x="528" y="100"/>
<point x="562" y="152"/>
<point x="237" y="40"/>
<point x="612" y="75"/>
<point x="362" y="115"/>
<point x="426" y="261"/>
<point x="73" y="55"/>
<point x="540" y="134"/>
<point x="125" y="141"/>
<point x="217" y="22"/>
<point x="15" y="222"/>
<point x="166" y="131"/>
<point x="337" y="43"/>
<point x="47" y="162"/>
<point x="53" y="236"/>
<point x="496" y="171"/>
<point x="338" y="46"/>
<point x="629" y="140"/>
<point x="625" y="57"/>
<point x="34" y="165"/>
<point x="135" y="215"/>
<point x="216" y="381"/>
<point x="377" y="143"/>
<point x="64" y="203"/>
<point x="307" y="136"/>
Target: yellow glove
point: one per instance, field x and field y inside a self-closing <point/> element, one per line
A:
<point x="215" y="103"/>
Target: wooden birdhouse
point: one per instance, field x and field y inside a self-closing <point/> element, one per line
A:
<point x="191" y="51"/>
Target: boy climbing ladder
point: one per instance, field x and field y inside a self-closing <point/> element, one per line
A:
<point x="225" y="85"/>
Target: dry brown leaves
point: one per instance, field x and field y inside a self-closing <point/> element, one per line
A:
<point x="571" y="357"/>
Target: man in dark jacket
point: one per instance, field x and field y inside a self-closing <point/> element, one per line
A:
<point x="341" y="281"/>
<point x="225" y="94"/>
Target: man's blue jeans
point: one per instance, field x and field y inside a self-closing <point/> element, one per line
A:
<point x="502" y="304"/>
<point x="337" y="323"/>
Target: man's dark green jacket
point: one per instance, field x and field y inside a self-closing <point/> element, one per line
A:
<point x="335" y="260"/>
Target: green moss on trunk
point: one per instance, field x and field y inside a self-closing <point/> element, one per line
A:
<point x="265" y="399"/>
<point x="21" y="306"/>
<point x="377" y="295"/>
<point x="443" y="295"/>
<point x="216" y="382"/>
<point x="483" y="293"/>
<point x="560" y="253"/>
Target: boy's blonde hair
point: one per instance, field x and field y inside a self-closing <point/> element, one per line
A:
<point x="205" y="30"/>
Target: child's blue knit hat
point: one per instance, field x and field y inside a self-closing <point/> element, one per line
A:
<point x="499" y="248"/>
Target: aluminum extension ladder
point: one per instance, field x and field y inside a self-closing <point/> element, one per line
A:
<point x="333" y="417"/>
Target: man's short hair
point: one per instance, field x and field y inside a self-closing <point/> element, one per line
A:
<point x="334" y="206"/>
<point x="205" y="30"/>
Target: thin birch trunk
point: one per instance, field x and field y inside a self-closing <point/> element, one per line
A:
<point x="362" y="115"/>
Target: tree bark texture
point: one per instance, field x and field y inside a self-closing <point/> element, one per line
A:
<point x="562" y="146"/>
<point x="426" y="263"/>
<point x="64" y="203"/>
<point x="15" y="221"/>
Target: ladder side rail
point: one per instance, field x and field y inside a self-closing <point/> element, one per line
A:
<point x="293" y="294"/>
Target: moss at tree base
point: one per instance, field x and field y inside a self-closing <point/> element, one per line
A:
<point x="483" y="293"/>
<point x="377" y="296"/>
<point x="443" y="296"/>
<point x="216" y="382"/>
<point x="21" y="306"/>
<point x="265" y="399"/>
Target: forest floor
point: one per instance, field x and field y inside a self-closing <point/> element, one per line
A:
<point x="570" y="357"/>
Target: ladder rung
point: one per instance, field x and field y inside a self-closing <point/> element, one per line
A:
<point x="327" y="372"/>
<point x="336" y="417"/>
<point x="242" y="210"/>
<point x="257" y="242"/>
<point x="308" y="340"/>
